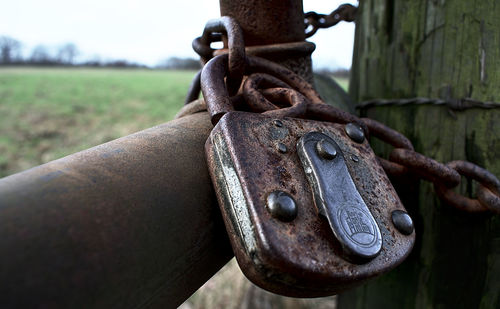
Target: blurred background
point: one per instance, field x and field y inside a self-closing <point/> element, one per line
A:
<point x="112" y="68"/>
<point x="75" y="74"/>
<point x="143" y="33"/>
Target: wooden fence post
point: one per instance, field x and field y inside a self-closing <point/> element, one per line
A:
<point x="448" y="50"/>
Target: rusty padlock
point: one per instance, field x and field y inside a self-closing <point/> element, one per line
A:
<point x="309" y="210"/>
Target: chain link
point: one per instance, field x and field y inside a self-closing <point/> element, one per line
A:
<point x="445" y="177"/>
<point x="487" y="193"/>
<point x="215" y="30"/>
<point x="314" y="21"/>
<point x="273" y="89"/>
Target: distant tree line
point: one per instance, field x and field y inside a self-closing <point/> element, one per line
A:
<point x="176" y="63"/>
<point x="66" y="55"/>
<point x="11" y="54"/>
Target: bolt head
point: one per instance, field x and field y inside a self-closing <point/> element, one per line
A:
<point x="355" y="132"/>
<point x="282" y="148"/>
<point x="326" y="150"/>
<point x="282" y="206"/>
<point x="278" y="123"/>
<point x="402" y="221"/>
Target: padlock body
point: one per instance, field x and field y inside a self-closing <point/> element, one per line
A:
<point x="252" y="155"/>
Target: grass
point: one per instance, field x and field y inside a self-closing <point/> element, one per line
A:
<point x="343" y="82"/>
<point x="46" y="114"/>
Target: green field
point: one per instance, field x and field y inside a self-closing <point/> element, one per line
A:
<point x="342" y="81"/>
<point x="46" y="114"/>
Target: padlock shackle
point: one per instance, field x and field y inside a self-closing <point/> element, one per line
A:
<point x="214" y="88"/>
<point x="215" y="73"/>
<point x="236" y="45"/>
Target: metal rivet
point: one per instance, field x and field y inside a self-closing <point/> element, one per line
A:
<point x="278" y="123"/>
<point x="355" y="132"/>
<point x="282" y="206"/>
<point x="402" y="221"/>
<point x="354" y="158"/>
<point x="282" y="148"/>
<point x="326" y="150"/>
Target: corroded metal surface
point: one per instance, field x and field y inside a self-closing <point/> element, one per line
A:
<point x="129" y="223"/>
<point x="234" y="36"/>
<point x="272" y="29"/>
<point x="403" y="160"/>
<point x="386" y="134"/>
<point x="487" y="194"/>
<point x="196" y="106"/>
<point x="194" y="90"/>
<point x="267" y="21"/>
<point x="295" y="56"/>
<point x="315" y="21"/>
<point x="425" y="167"/>
<point x="215" y="91"/>
<point x="276" y="91"/>
<point x="300" y="258"/>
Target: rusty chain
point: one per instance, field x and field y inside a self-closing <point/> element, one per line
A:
<point x="314" y="21"/>
<point x="214" y="31"/>
<point x="267" y="87"/>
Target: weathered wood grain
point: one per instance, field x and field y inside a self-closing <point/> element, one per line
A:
<point x="437" y="49"/>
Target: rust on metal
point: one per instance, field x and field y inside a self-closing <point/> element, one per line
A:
<point x="425" y="167"/>
<point x="194" y="89"/>
<point x="386" y="134"/>
<point x="236" y="46"/>
<point x="315" y="21"/>
<point x="302" y="257"/>
<point x="216" y="93"/>
<point x="127" y="223"/>
<point x="267" y="21"/>
<point x="261" y="65"/>
<point x="106" y="227"/>
<point x="393" y="169"/>
<point x="295" y="56"/>
<point x="487" y="193"/>
<point x="214" y="88"/>
<point x="458" y="201"/>
<point x="276" y="52"/>
<point x="403" y="159"/>
<point x="202" y="47"/>
<point x="273" y="29"/>
<point x="470" y="170"/>
<point x="489" y="199"/>
<point x="193" y="107"/>
<point x="297" y="102"/>
<point x="330" y="113"/>
<point x="258" y="96"/>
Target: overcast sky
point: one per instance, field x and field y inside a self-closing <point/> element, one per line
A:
<point x="145" y="31"/>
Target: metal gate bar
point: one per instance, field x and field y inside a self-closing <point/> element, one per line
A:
<point x="127" y="223"/>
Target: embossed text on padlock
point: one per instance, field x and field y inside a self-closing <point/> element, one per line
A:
<point x="337" y="198"/>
